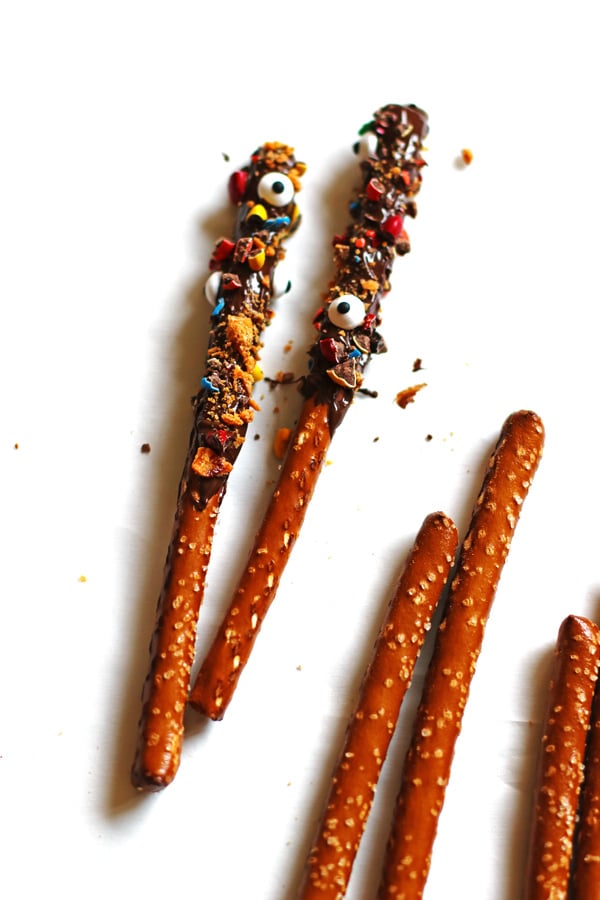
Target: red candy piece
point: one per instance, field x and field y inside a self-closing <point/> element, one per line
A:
<point x="375" y="189"/>
<point x="230" y="282"/>
<point x="223" y="249"/>
<point x="237" y="185"/>
<point x="329" y="350"/>
<point x="360" y="242"/>
<point x="393" y="226"/>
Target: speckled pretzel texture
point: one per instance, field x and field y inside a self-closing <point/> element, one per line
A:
<point x="384" y="686"/>
<point x="458" y="643"/>
<point x="246" y="276"/>
<point x="389" y="150"/>
<point x="561" y="766"/>
<point x="585" y="870"/>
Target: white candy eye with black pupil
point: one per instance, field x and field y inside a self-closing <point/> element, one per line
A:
<point x="276" y="188"/>
<point x="346" y="311"/>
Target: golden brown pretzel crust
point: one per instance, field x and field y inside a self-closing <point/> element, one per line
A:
<point x="384" y="686"/>
<point x="240" y="289"/>
<point x="173" y="646"/>
<point x="457" y="647"/>
<point x="561" y="763"/>
<point x="231" y="648"/>
<point x="585" y="876"/>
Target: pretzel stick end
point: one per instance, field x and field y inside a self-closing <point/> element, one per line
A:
<point x="384" y="686"/>
<point x="560" y="769"/>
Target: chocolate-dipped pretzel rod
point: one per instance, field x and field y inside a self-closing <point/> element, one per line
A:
<point x="385" y="683"/>
<point x="391" y="162"/>
<point x="457" y="647"/>
<point x="560" y="770"/>
<point x="244" y="280"/>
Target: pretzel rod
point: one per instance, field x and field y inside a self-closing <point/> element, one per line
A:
<point x="457" y="647"/>
<point x="372" y="725"/>
<point x="243" y="282"/>
<point x="391" y="162"/>
<point x="585" y="870"/>
<point x="560" y="769"/>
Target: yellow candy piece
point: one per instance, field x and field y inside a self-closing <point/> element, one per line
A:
<point x="256" y="259"/>
<point x="257" y="210"/>
<point x="257" y="373"/>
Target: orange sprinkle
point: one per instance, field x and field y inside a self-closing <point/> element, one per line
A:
<point x="280" y="444"/>
<point x="406" y="396"/>
<point x="467" y="156"/>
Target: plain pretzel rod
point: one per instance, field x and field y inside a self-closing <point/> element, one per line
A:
<point x="562" y="763"/>
<point x="456" y="649"/>
<point x="245" y="277"/>
<point x="389" y="149"/>
<point x="371" y="727"/>
<point x="585" y="870"/>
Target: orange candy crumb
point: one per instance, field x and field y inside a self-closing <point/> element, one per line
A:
<point x="280" y="444"/>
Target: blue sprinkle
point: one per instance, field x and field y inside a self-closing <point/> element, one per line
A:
<point x="208" y="386"/>
<point x="353" y="354"/>
<point x="279" y="222"/>
<point x="219" y="306"/>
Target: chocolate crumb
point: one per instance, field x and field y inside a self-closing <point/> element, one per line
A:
<point x="257" y="437"/>
<point x="428" y="437"/>
<point x="417" y="365"/>
<point x="406" y="396"/>
<point x="281" y="378"/>
<point x="16" y="446"/>
<point x="226" y="156"/>
<point x="145" y="448"/>
<point x="375" y="439"/>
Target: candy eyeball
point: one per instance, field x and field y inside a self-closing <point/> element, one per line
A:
<point x="280" y="280"/>
<point x="276" y="188"/>
<point x="367" y="146"/>
<point x="212" y="286"/>
<point x="346" y="311"/>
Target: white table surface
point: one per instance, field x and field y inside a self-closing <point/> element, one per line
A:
<point x="117" y="121"/>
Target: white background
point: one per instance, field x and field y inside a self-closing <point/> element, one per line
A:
<point x="117" y="118"/>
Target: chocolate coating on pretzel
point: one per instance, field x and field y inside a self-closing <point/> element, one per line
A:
<point x="391" y="167"/>
<point x="458" y="643"/>
<point x="560" y="771"/>
<point x="240" y="288"/>
<point x="391" y="163"/>
<point x="243" y="288"/>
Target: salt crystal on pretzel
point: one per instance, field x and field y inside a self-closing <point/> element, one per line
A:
<point x="456" y="649"/>
<point x="384" y="686"/>
<point x="562" y="763"/>
<point x="391" y="163"/>
<point x="245" y="274"/>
